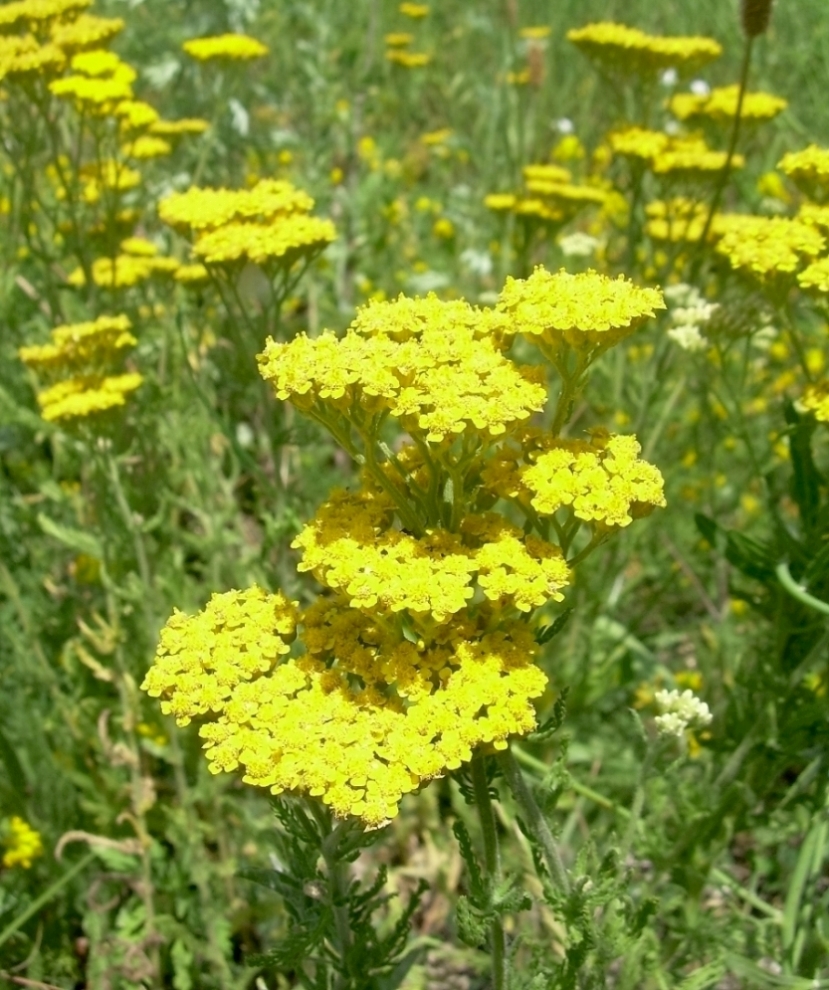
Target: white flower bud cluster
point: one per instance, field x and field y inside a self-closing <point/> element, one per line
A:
<point x="680" y="711"/>
<point x="690" y="314"/>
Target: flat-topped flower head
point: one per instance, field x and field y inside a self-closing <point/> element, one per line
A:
<point x="361" y="718"/>
<point x="414" y="10"/>
<point x="34" y="13"/>
<point x="585" y="311"/>
<point x="22" y="59"/>
<point x="436" y="366"/>
<point x="351" y="547"/>
<point x="676" y="219"/>
<point x="206" y="209"/>
<point x="629" y="50"/>
<point x="768" y="248"/>
<point x="145" y="147"/>
<point x="721" y="105"/>
<point x="815" y="399"/>
<point x="283" y="240"/>
<point x="77" y="345"/>
<point x="690" y="159"/>
<point x="638" y="142"/>
<point x="605" y="483"/>
<point x="233" y="47"/>
<point x="86" y="31"/>
<point x="808" y="169"/>
<point x="86" y="396"/>
<point x="177" y="128"/>
<point x="123" y="271"/>
<point x="22" y="844"/>
<point x="815" y="277"/>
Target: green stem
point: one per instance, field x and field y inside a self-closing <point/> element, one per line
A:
<point x="732" y="147"/>
<point x="534" y="819"/>
<point x="44" y="898"/>
<point x="492" y="863"/>
<point x="338" y="882"/>
<point x="797" y="591"/>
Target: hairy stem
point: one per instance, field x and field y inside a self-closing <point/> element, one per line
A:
<point x="492" y="863"/>
<point x="534" y="819"/>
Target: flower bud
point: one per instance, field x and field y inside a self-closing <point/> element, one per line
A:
<point x="755" y="15"/>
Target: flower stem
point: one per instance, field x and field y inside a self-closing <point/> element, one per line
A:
<point x="534" y="819"/>
<point x="492" y="863"/>
<point x="338" y="880"/>
<point x="732" y="147"/>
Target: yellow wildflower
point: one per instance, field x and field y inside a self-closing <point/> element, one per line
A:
<point x="236" y="47"/>
<point x="32" y="12"/>
<point x="23" y="844"/>
<point x="398" y="39"/>
<point x="767" y="247"/>
<point x="815" y="276"/>
<point x="584" y="311"/>
<point x="88" y="395"/>
<point x="285" y="240"/>
<point x="631" y="50"/>
<point x="146" y="146"/>
<point x="409" y="60"/>
<point x="206" y="209"/>
<point x="86" y="31"/>
<point x="808" y="168"/>
<point x="414" y="10"/>
<point x="721" y="105"/>
<point x="815" y="399"/>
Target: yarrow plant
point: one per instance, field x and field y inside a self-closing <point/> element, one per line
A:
<point x="420" y="655"/>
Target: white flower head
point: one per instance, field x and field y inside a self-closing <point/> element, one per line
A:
<point x="699" y="87"/>
<point x="680" y="711"/>
<point x="697" y="313"/>
<point x="682" y="294"/>
<point x="578" y="245"/>
<point x="688" y="337"/>
<point x="565" y="126"/>
<point x="669" y="77"/>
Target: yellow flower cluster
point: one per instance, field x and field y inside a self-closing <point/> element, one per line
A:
<point x="351" y="548"/>
<point x="435" y="366"/>
<point x="586" y="312"/>
<point x="815" y="399"/>
<point x="109" y="175"/>
<point x="123" y="271"/>
<point x="604" y="482"/>
<point x="419" y="650"/>
<point x="638" y="142"/>
<point x="236" y="47"/>
<point x="146" y="146"/>
<point x="630" y="50"/>
<point x="767" y="247"/>
<point x="78" y="360"/>
<point x="815" y="277"/>
<point x="721" y="105"/>
<point x="30" y="13"/>
<point x="676" y="219"/>
<point x="23" y="844"/>
<point x="86" y="395"/>
<point x="808" y="168"/>
<point x="101" y="81"/>
<point x="269" y="222"/>
<point x="549" y="195"/>
<point x="80" y="344"/>
<point x="414" y="10"/>
<point x="408" y="60"/>
<point x="691" y="158"/>
<point x="176" y="128"/>
<point x="362" y="717"/>
<point x="87" y="31"/>
<point x="22" y="58"/>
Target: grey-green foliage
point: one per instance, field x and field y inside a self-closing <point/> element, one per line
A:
<point x="339" y="931"/>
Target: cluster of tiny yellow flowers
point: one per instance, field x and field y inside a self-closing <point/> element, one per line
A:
<point x="767" y="247"/>
<point x="630" y="50"/>
<point x="549" y="195"/>
<point x="22" y="844"/>
<point x="809" y="169"/>
<point x="676" y="219"/>
<point x="586" y="312"/>
<point x="397" y="42"/>
<point x="78" y="364"/>
<point x="269" y="223"/>
<point x="419" y="651"/>
<point x="815" y="399"/>
<point x="234" y="47"/>
<point x="721" y="105"/>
